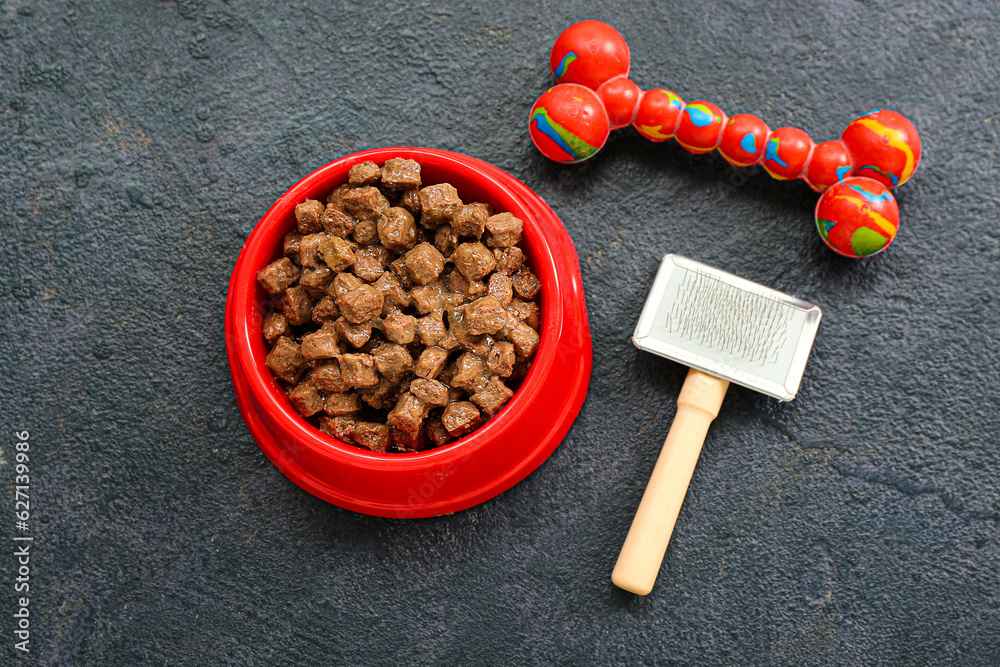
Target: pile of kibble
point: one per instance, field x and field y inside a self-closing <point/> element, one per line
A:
<point x="404" y="317"/>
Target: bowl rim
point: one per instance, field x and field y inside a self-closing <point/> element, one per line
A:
<point x="546" y="248"/>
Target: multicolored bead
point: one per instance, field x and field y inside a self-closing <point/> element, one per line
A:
<point x="857" y="217"/>
<point x="744" y="140"/>
<point x="885" y="146"/>
<point x="568" y="123"/>
<point x="700" y="127"/>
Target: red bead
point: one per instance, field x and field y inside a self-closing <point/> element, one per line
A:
<point x="744" y="139"/>
<point x="700" y="127"/>
<point x="884" y="145"/>
<point x="786" y="153"/>
<point x="857" y="217"/>
<point x="658" y="113"/>
<point x="620" y="97"/>
<point x="589" y="53"/>
<point x="568" y="123"/>
<point x="830" y="163"/>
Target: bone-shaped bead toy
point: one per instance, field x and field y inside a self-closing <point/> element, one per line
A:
<point x="856" y="215"/>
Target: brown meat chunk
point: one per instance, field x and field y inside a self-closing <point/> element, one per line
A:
<point x="469" y="289"/>
<point x="336" y="195"/>
<point x="400" y="174"/>
<point x="285" y="360"/>
<point x="358" y="370"/>
<point x="411" y="202"/>
<point x="449" y="342"/>
<point x="367" y="267"/>
<point x="437" y="434"/>
<point x="337" y="222"/>
<point x="478" y="344"/>
<point x="398" y="268"/>
<point x="396" y="229"/>
<point x="438" y="204"/>
<point x="525" y="341"/>
<point x="381" y="395"/>
<point x="365" y="203"/>
<point x="424" y="263"/>
<point x="526" y="311"/>
<point x="410" y="442"/>
<point x="394" y="295"/>
<point x="461" y="418"/>
<point x="430" y="362"/>
<point x="325" y="310"/>
<point x="500" y="286"/>
<point x="526" y="284"/>
<point x="470" y="220"/>
<point x="485" y="316"/>
<point x="326" y="376"/>
<point x="322" y="344"/>
<point x="487" y="209"/>
<point x="501" y="358"/>
<point x="452" y="300"/>
<point x="278" y="275"/>
<point x="474" y="260"/>
<point x="509" y="260"/>
<point x="341" y="428"/>
<point x="306" y="399"/>
<point x="400" y="328"/>
<point x="316" y="281"/>
<point x="512" y="321"/>
<point x="343" y="283"/>
<point x="430" y="391"/>
<point x="427" y="298"/>
<point x="290" y="245"/>
<point x="364" y="173"/>
<point x="297" y="305"/>
<point x="366" y="232"/>
<point x="409" y="413"/>
<point x="307" y="215"/>
<point x="392" y="361"/>
<point x="470" y="373"/>
<point x="355" y="334"/>
<point x="492" y="397"/>
<point x="342" y="404"/>
<point x="372" y="436"/>
<point x="431" y="329"/>
<point x="505" y="230"/>
<point x="309" y="248"/>
<point x="361" y="304"/>
<point x="337" y="253"/>
<point x="275" y="325"/>
<point x="445" y="240"/>
<point x="379" y="253"/>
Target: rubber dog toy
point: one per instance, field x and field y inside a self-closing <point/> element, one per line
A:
<point x="877" y="151"/>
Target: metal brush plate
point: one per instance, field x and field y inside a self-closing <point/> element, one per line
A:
<point x="728" y="326"/>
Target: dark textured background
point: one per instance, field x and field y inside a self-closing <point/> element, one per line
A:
<point x="857" y="525"/>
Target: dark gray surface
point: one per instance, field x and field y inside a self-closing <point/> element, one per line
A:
<point x="857" y="525"/>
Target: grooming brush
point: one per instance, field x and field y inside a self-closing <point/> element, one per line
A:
<point x="726" y="329"/>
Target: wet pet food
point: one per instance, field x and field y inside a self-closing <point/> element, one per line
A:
<point x="404" y="318"/>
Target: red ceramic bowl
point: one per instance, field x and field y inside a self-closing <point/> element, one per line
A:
<point x="460" y="474"/>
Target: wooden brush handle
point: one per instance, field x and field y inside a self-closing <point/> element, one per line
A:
<point x="641" y="556"/>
